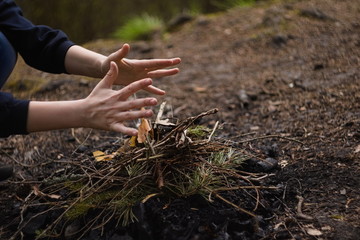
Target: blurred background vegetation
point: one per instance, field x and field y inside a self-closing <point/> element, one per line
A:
<point x="86" y="20"/>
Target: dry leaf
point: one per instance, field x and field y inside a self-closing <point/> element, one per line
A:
<point x="98" y="153"/>
<point x="132" y="141"/>
<point x="101" y="156"/>
<point x="313" y="232"/>
<point x="143" y="130"/>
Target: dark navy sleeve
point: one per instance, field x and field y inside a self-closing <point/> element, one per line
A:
<point x="41" y="47"/>
<point x="14" y="114"/>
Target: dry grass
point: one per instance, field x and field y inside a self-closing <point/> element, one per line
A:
<point x="180" y="162"/>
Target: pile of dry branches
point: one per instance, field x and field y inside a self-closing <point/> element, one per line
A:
<point x="172" y="160"/>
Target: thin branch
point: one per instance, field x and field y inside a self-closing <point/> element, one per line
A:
<point x="213" y="131"/>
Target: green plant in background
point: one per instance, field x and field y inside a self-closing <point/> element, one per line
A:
<point x="227" y="4"/>
<point x="195" y="8"/>
<point x="139" y="28"/>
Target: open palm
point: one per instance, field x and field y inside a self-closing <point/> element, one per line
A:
<point x="131" y="70"/>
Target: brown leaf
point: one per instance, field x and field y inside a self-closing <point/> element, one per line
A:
<point x="143" y="130"/>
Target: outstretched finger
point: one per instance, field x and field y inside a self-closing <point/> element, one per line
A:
<point x="135" y="104"/>
<point x="121" y="128"/>
<point x="163" y="73"/>
<point x="154" y="90"/>
<point x="127" y="116"/>
<point x="153" y="64"/>
<point x="134" y="87"/>
<point x="133" y="115"/>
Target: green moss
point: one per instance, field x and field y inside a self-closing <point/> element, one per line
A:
<point x="198" y="131"/>
<point x="79" y="209"/>
<point x="73" y="186"/>
<point x="93" y="201"/>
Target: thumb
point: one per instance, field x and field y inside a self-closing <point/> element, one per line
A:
<point x="121" y="53"/>
<point x="110" y="76"/>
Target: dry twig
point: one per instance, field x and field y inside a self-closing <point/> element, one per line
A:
<point x="175" y="165"/>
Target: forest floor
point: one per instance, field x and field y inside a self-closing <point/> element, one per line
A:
<point x="277" y="73"/>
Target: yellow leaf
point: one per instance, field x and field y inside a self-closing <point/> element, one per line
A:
<point x="98" y="153"/>
<point x="132" y="142"/>
<point x="143" y="130"/>
<point x="104" y="158"/>
<point x="339" y="217"/>
<point x="101" y="156"/>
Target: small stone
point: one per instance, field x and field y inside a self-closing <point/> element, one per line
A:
<point x="243" y="98"/>
<point x="81" y="149"/>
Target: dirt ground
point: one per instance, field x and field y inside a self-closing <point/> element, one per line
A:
<point x="277" y="73"/>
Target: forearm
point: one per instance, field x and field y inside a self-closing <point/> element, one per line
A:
<point x="104" y="108"/>
<point x="43" y="116"/>
<point x="81" y="61"/>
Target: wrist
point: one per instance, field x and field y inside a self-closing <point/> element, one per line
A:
<point x="104" y="66"/>
<point x="44" y="116"/>
<point x="82" y="113"/>
<point x="81" y="61"/>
